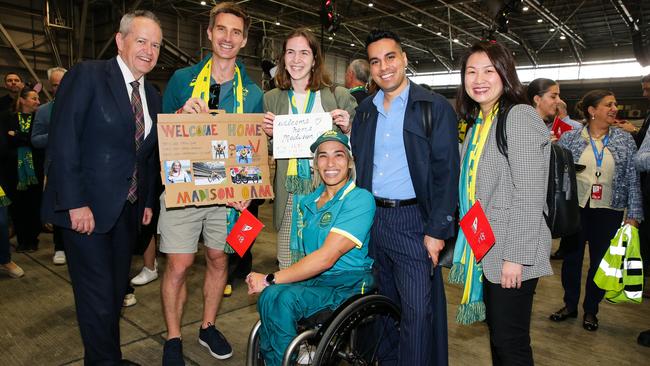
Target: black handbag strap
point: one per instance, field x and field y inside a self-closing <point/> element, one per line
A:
<point x="502" y="136"/>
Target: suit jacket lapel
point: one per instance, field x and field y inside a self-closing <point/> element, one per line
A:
<point x="117" y="86"/>
<point x="367" y="149"/>
<point x="413" y="116"/>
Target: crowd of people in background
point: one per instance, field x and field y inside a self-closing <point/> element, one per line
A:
<point x="391" y="170"/>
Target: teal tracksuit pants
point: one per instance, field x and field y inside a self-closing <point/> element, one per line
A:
<point x="281" y="306"/>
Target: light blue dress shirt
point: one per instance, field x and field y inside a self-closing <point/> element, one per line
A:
<point x="391" y="177"/>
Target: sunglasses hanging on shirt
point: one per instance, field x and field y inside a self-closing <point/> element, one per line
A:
<point x="215" y="90"/>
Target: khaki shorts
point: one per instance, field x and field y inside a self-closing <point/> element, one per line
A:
<point x="180" y="228"/>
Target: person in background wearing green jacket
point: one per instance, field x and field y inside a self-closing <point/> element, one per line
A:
<point x="303" y="86"/>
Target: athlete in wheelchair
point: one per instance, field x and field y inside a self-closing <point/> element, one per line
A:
<point x="333" y="226"/>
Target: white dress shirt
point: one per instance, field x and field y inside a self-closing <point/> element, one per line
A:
<point x="128" y="78"/>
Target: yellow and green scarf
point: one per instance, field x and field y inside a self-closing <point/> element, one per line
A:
<point x="465" y="271"/>
<point x="298" y="180"/>
<point x="4" y="200"/>
<point x="299" y="172"/>
<point x="201" y="89"/>
<point x="26" y="173"/>
<point x="201" y="86"/>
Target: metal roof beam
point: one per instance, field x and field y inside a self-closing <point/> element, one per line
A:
<point x="557" y="23"/>
<point x="82" y="30"/>
<point x="358" y="27"/>
<point x="443" y="21"/>
<point x="22" y="58"/>
<point x="178" y="52"/>
<point x="511" y="36"/>
<point x="110" y="40"/>
<point x="625" y="14"/>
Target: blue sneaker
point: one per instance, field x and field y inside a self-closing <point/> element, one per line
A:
<point x="215" y="342"/>
<point x="173" y="353"/>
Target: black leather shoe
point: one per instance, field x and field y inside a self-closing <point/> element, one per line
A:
<point x="590" y="322"/>
<point x="563" y="314"/>
<point x="23" y="248"/>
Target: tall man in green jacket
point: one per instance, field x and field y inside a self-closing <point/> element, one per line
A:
<point x="218" y="82"/>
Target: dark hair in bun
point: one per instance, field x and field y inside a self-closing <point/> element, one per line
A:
<point x="591" y="99"/>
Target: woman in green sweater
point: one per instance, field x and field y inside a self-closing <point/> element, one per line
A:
<point x="303" y="86"/>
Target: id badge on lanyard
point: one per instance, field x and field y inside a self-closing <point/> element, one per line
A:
<point x="597" y="188"/>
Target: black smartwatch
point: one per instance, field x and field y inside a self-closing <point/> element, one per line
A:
<point x="270" y="279"/>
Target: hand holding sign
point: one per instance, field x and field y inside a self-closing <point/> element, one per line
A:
<point x="268" y="123"/>
<point x="341" y="118"/>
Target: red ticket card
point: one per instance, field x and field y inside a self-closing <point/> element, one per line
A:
<point x="559" y="127"/>
<point x="477" y="230"/>
<point x="597" y="192"/>
<point x="244" y="232"/>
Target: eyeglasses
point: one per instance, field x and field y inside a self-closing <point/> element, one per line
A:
<point x="215" y="90"/>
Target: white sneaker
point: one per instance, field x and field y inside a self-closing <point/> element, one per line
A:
<point x="59" y="257"/>
<point x="12" y="269"/>
<point x="129" y="300"/>
<point x="145" y="276"/>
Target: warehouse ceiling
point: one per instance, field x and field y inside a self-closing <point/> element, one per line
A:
<point x="436" y="33"/>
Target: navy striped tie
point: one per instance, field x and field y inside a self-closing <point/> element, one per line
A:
<point x="138" y="113"/>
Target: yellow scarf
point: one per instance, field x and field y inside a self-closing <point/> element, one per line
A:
<point x="4" y="200"/>
<point x="478" y="139"/>
<point x="292" y="169"/>
<point x="202" y="86"/>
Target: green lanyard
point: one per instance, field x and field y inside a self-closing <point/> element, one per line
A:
<point x="357" y="88"/>
<point x="311" y="97"/>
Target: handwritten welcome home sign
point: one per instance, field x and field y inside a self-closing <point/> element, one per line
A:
<point x="209" y="159"/>
<point x="293" y="134"/>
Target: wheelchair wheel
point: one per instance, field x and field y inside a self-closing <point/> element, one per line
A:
<point x="253" y="354"/>
<point x="353" y="336"/>
<point x="300" y="351"/>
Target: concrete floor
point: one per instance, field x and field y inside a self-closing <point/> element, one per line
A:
<point x="39" y="324"/>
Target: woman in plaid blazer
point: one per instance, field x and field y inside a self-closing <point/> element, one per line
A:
<point x="512" y="192"/>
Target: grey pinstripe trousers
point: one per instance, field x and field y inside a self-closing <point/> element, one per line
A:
<point x="403" y="272"/>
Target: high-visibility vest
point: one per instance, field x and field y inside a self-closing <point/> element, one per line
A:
<point x="620" y="272"/>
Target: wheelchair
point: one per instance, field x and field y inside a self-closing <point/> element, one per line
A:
<point x="349" y="335"/>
